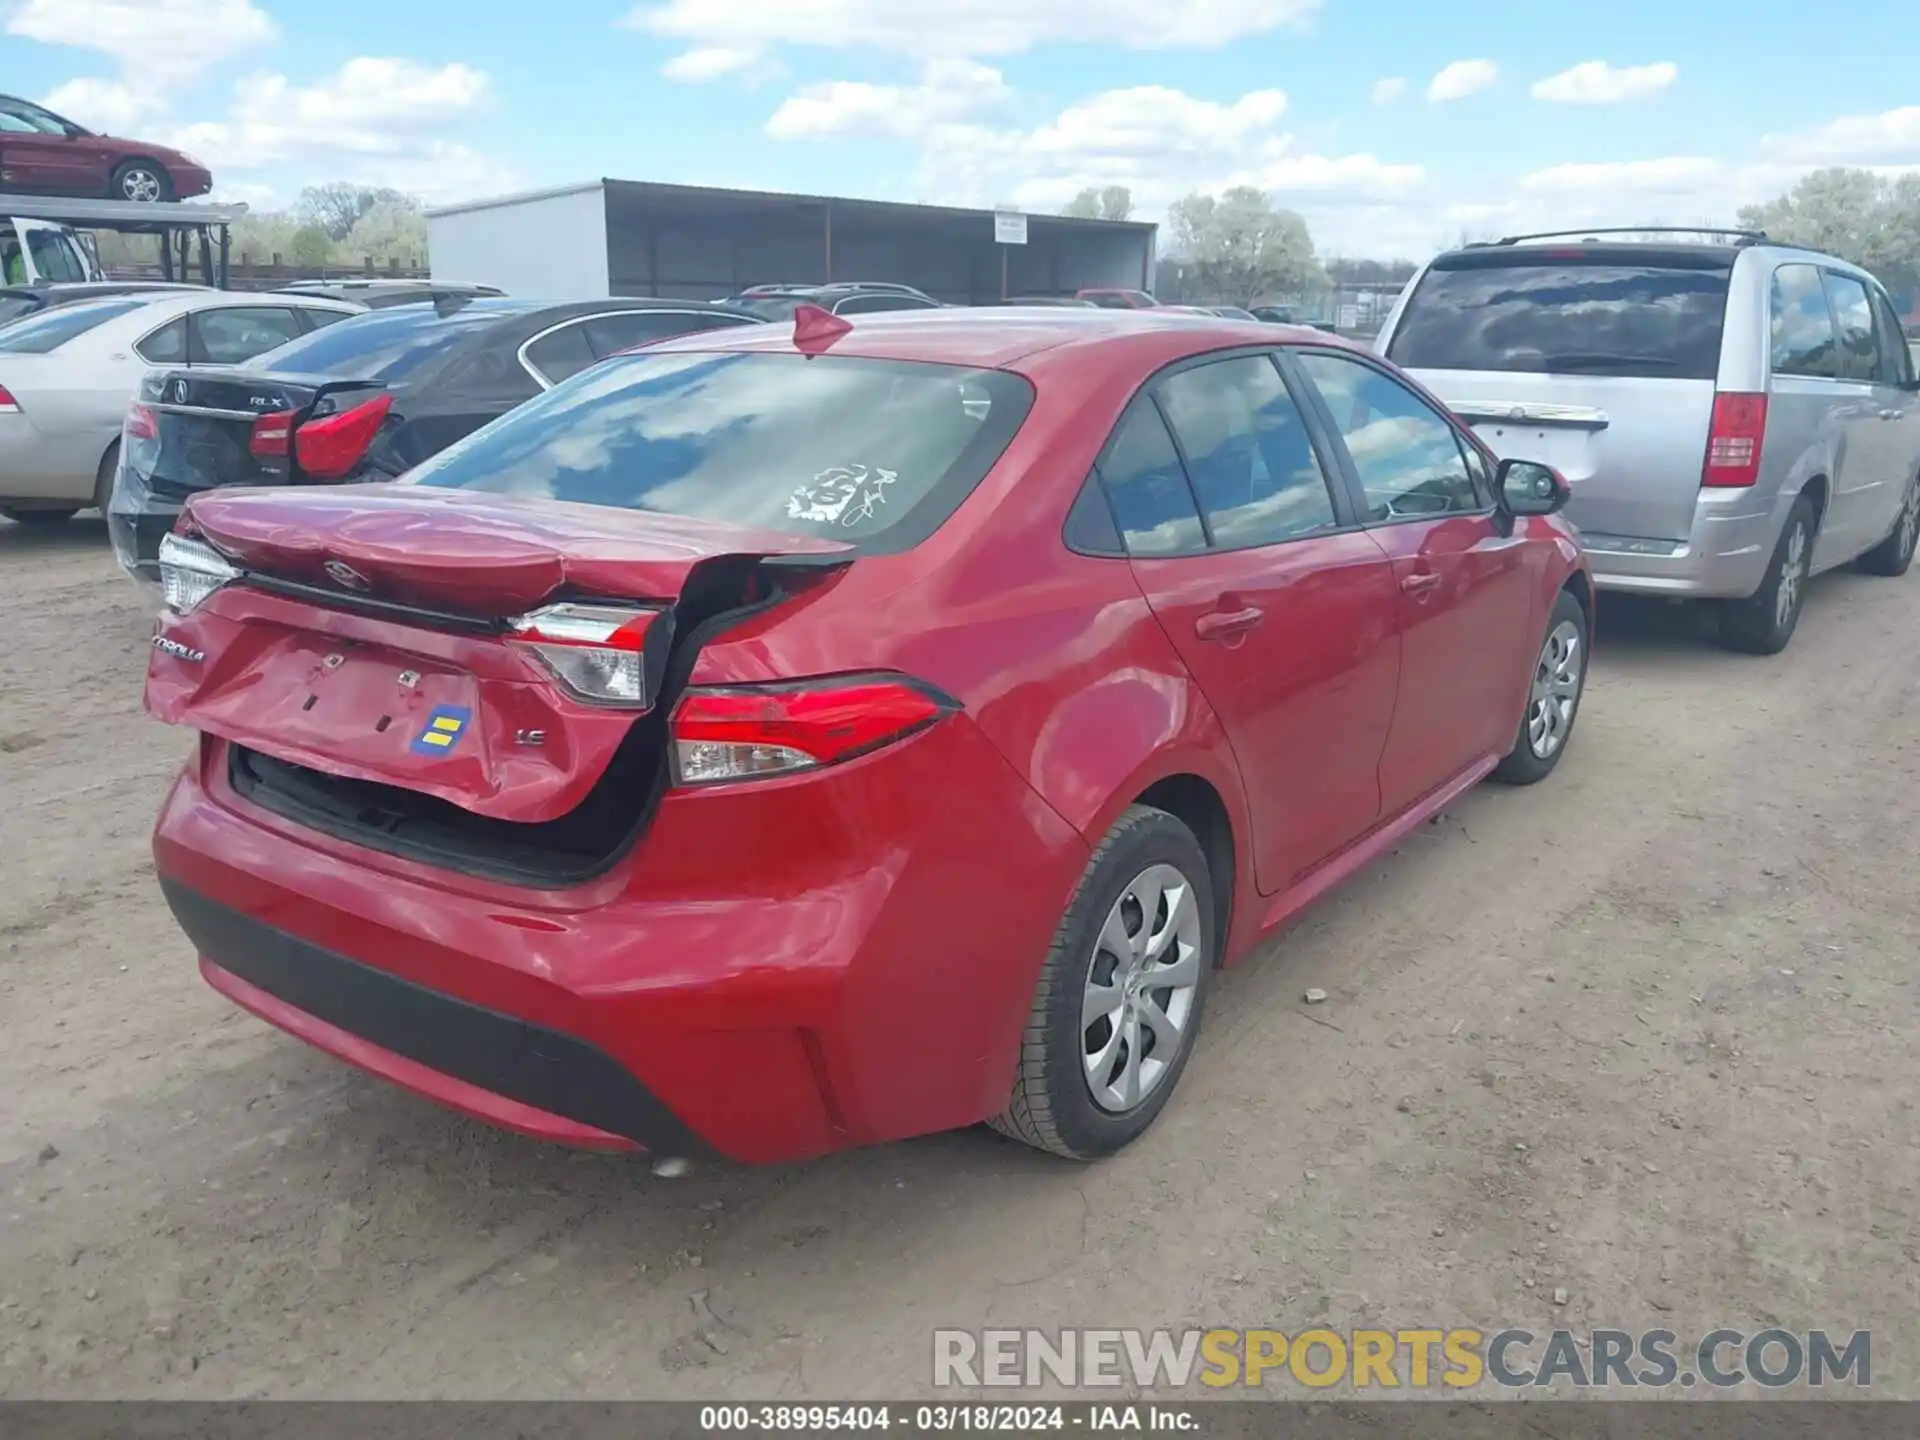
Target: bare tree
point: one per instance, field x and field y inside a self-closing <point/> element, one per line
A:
<point x="338" y="207"/>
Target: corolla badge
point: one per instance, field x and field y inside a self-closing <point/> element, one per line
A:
<point x="347" y="577"/>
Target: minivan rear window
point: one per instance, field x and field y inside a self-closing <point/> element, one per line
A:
<point x="1561" y="315"/>
<point x="875" y="453"/>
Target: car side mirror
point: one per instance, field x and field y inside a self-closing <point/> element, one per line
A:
<point x="1530" y="488"/>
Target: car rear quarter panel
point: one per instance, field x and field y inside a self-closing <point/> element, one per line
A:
<point x="1056" y="656"/>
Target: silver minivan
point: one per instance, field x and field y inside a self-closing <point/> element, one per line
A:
<point x="1733" y="415"/>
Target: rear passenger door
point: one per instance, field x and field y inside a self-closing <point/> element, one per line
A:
<point x="1867" y="485"/>
<point x="1465" y="598"/>
<point x="1282" y="609"/>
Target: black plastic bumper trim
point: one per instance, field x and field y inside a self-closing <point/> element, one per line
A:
<point x="536" y="1066"/>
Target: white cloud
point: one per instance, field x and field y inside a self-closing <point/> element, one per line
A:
<point x="710" y="62"/>
<point x="1386" y="91"/>
<point x="1892" y="136"/>
<point x="969" y="27"/>
<point x="104" y="105"/>
<point x="1461" y="79"/>
<point x="370" y="106"/>
<point x="949" y="90"/>
<point x="1594" y="82"/>
<point x="159" y="43"/>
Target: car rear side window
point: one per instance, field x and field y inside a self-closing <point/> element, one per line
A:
<point x="235" y="335"/>
<point x="46" y="332"/>
<point x="1801" y="324"/>
<point x="1248" y="452"/>
<point x="1410" y="461"/>
<point x="1603" y="315"/>
<point x="165" y="346"/>
<point x="562" y="354"/>
<point x="1147" y="487"/>
<point x="1896" y="358"/>
<point x="1859" y="351"/>
<point x="611" y="334"/>
<point x="873" y="452"/>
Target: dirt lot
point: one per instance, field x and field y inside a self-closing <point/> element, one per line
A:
<point x="1645" y="1033"/>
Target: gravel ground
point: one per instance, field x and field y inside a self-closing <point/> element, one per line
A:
<point x="1644" y="1035"/>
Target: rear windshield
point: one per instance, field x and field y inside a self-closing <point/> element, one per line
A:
<point x="50" y="329"/>
<point x="391" y="344"/>
<point x="1565" y="317"/>
<point x="873" y="452"/>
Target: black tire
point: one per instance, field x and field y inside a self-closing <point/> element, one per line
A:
<point x="1052" y="1107"/>
<point x="1893" y="555"/>
<point x="1758" y="625"/>
<point x="1524" y="763"/>
<point x="103" y="481"/>
<point x="39" y="518"/>
<point x="147" y="177"/>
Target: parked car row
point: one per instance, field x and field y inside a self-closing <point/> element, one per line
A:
<point x="800" y="734"/>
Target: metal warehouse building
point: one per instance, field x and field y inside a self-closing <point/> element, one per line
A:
<point x="625" y="237"/>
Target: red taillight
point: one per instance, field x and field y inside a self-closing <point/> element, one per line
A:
<point x="597" y="651"/>
<point x="329" y="449"/>
<point x="8" y="405"/>
<point x="141" y="424"/>
<point x="1734" y="439"/>
<point x="271" y="434"/>
<point x="740" y="734"/>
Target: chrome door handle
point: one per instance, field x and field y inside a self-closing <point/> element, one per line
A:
<point x="1420" y="584"/>
<point x="1223" y="625"/>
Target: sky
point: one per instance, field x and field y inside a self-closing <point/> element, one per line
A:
<point x="1395" y="126"/>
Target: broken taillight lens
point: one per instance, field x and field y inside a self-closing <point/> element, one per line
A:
<point x="598" y="652"/>
<point x="190" y="571"/>
<point x="748" y="732"/>
<point x="141" y="424"/>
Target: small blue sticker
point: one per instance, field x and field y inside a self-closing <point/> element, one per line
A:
<point x="442" y="731"/>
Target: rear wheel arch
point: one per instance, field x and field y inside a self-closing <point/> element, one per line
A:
<point x="104" y="475"/>
<point x="1818" y="491"/>
<point x="1198" y="805"/>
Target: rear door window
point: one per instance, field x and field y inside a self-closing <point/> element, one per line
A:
<point x="1147" y="487"/>
<point x="1248" y="452"/>
<point x="1598" y="314"/>
<point x="1858" y="350"/>
<point x="165" y="346"/>
<point x="1801" y="324"/>
<point x="1896" y="358"/>
<point x="234" y="336"/>
<point x="1410" y="461"/>
<point x="873" y="452"/>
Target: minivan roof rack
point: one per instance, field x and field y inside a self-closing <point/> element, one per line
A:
<point x="1740" y="237"/>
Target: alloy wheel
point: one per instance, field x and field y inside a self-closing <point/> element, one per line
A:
<point x="1556" y="690"/>
<point x="1141" y="983"/>
<point x="1793" y="574"/>
<point x="1910" y="518"/>
<point x="140" y="185"/>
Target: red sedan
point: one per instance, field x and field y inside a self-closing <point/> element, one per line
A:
<point x="46" y="154"/>
<point x="789" y="738"/>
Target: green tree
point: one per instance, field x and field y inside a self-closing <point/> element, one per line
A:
<point x="309" y="246"/>
<point x="388" y="234"/>
<point x="1855" y="214"/>
<point x="1240" y="245"/>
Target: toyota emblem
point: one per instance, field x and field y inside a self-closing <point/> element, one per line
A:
<point x="348" y="578"/>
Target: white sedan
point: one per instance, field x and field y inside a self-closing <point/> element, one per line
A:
<point x="68" y="374"/>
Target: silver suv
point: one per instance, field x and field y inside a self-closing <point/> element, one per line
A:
<point x="1734" y="416"/>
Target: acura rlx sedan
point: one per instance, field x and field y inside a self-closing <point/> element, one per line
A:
<point x="803" y="736"/>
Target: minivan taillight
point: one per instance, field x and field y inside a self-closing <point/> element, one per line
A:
<point x="753" y="731"/>
<point x="1734" y="439"/>
<point x="330" y="448"/>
